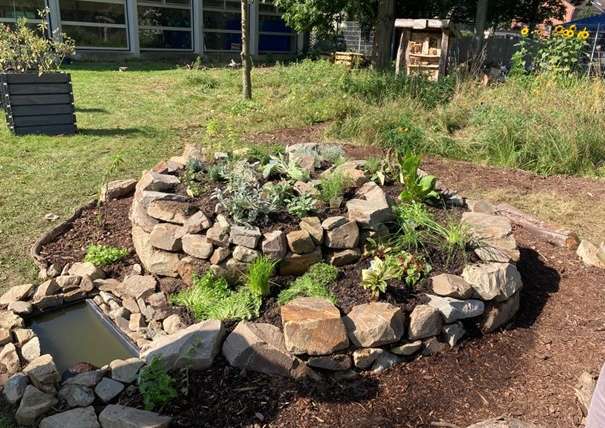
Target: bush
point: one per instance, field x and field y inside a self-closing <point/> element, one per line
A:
<point x="300" y="206"/>
<point x="259" y="273"/>
<point x="333" y="187"/>
<point x="156" y="385"/>
<point x="314" y="283"/>
<point x="104" y="255"/>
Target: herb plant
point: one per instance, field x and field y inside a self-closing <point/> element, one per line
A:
<point x="332" y="187"/>
<point x="156" y="385"/>
<point x="104" y="255"/>
<point x="300" y="206"/>
<point x="416" y="188"/>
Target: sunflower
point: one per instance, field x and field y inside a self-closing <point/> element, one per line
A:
<point x="525" y="32"/>
<point x="559" y="30"/>
<point x="584" y="34"/>
<point x="568" y="34"/>
<point x="573" y="28"/>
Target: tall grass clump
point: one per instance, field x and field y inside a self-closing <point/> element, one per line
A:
<point x="314" y="283"/>
<point x="259" y="274"/>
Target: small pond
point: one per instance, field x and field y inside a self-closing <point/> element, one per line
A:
<point x="80" y="333"/>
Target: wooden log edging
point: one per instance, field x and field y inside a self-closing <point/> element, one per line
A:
<point x="55" y="232"/>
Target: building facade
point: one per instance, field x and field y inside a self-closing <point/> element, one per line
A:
<point x="181" y="26"/>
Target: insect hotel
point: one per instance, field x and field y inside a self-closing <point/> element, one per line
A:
<point x="423" y="47"/>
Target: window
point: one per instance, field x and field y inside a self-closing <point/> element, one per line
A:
<point x="165" y="24"/>
<point x="95" y="23"/>
<point x="222" y="25"/>
<point x="274" y="36"/>
<point x="11" y="10"/>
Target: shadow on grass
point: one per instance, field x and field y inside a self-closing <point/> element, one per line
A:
<point x="111" y="132"/>
<point x="91" y="110"/>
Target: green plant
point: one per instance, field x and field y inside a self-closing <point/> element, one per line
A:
<point x="278" y="193"/>
<point x="279" y="165"/>
<point x="24" y="50"/>
<point x="332" y="153"/>
<point x="378" y="170"/>
<point x="104" y="255"/>
<point x="398" y="266"/>
<point x="314" y="283"/>
<point x="301" y="205"/>
<point x="263" y="152"/>
<point x="216" y="173"/>
<point x="333" y="186"/>
<point x="156" y="385"/>
<point x="193" y="177"/>
<point x="211" y="298"/>
<point x="416" y="188"/>
<point x="259" y="274"/>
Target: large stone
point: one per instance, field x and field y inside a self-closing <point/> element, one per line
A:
<point x="343" y="237"/>
<point x="197" y="223"/>
<point x="369" y="214"/>
<point x="333" y="222"/>
<point x="9" y="320"/>
<point x="5" y="336"/>
<point x="188" y="266"/>
<point x="22" y="335"/>
<point x="312" y="225"/>
<point x="115" y="416"/>
<point x="138" y="216"/>
<point x="10" y="359"/>
<point x="591" y="255"/>
<point x="499" y="314"/>
<point x="313" y="326"/>
<point x="197" y="246"/>
<point x="126" y="371"/>
<point x="258" y="347"/>
<point x="352" y="171"/>
<point x="166" y="237"/>
<point x="21" y="308"/>
<point x="338" y="362"/>
<point x="47" y="288"/>
<point x="14" y="388"/>
<point x="49" y="302"/>
<point x="425" y="321"/>
<point x="176" y="212"/>
<point x="86" y="269"/>
<point x="108" y="389"/>
<point x="19" y="292"/>
<point x="298" y="264"/>
<point x="274" y="245"/>
<point x="153" y="181"/>
<point x="76" y="395"/>
<point x="300" y="242"/>
<point x="194" y="347"/>
<point x="75" y="418"/>
<point x="453" y="333"/>
<point x="447" y="285"/>
<point x="245" y="255"/>
<point x="345" y="257"/>
<point x="219" y="255"/>
<point x="375" y="324"/>
<point x="155" y="261"/>
<point x="31" y="350"/>
<point x="494" y="236"/>
<point x="140" y="286"/>
<point x="365" y="358"/>
<point x="190" y="152"/>
<point x="454" y="310"/>
<point x="117" y="189"/>
<point x="407" y="349"/>
<point x="68" y="282"/>
<point x="88" y="379"/>
<point x="34" y="404"/>
<point x="173" y="323"/>
<point x="245" y="236"/>
<point x="493" y="281"/>
<point x="385" y="361"/>
<point x="219" y="233"/>
<point x="43" y="373"/>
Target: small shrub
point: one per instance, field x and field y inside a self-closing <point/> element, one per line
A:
<point x="216" y="173"/>
<point x="263" y="152"/>
<point x="193" y="177"/>
<point x="416" y="188"/>
<point x="104" y="255"/>
<point x="201" y="80"/>
<point x="259" y="273"/>
<point x="300" y="206"/>
<point x="278" y="193"/>
<point x="332" y="153"/>
<point x="279" y="165"/>
<point x="399" y="266"/>
<point x="314" y="283"/>
<point x="333" y="187"/>
<point x="156" y="385"/>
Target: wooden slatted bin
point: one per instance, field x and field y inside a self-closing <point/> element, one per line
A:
<point x="38" y="104"/>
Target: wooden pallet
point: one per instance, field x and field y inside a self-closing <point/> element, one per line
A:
<point x="350" y="59"/>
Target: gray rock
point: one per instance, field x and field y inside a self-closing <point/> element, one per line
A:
<point x="170" y="211"/>
<point x="481" y="206"/>
<point x="345" y="257"/>
<point x="173" y="323"/>
<point x="34" y="404"/>
<point x="108" y="389"/>
<point x="493" y="281"/>
<point x="375" y="324"/>
<point x="126" y="371"/>
<point x="10" y="359"/>
<point x="166" y="237"/>
<point x="153" y="181"/>
<point x="14" y="294"/>
<point x="300" y="242"/>
<point x="333" y="222"/>
<point x="453" y="333"/>
<point x="364" y="358"/>
<point x="155" y="261"/>
<point x="274" y="245"/>
<point x="219" y="255"/>
<point x="219" y="233"/>
<point x="454" y="310"/>
<point x="385" y="361"/>
<point x="197" y="246"/>
<point x="43" y="373"/>
<point x="425" y="321"/>
<point x="9" y="320"/>
<point x="338" y="362"/>
<point x="447" y="285"/>
<point x="31" y="350"/>
<point x="49" y="302"/>
<point x="88" y="379"/>
<point x="75" y="418"/>
<point x="47" y="288"/>
<point x="312" y="225"/>
<point x="433" y="346"/>
<point x="258" y="347"/>
<point x="245" y="255"/>
<point x="86" y="269"/>
<point x="117" y="189"/>
<point x="494" y="234"/>
<point x="194" y="347"/>
<point x="139" y="217"/>
<point x="499" y="314"/>
<point x="140" y="286"/>
<point x="407" y="349"/>
<point x="115" y="416"/>
<point x="313" y="326"/>
<point x="21" y="308"/>
<point x="248" y="237"/>
<point x="14" y="388"/>
<point x="197" y="223"/>
<point x="343" y="237"/>
<point x="298" y="264"/>
<point x="76" y="395"/>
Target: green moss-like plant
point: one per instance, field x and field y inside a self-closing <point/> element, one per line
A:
<point x="104" y="255"/>
<point x="259" y="273"/>
<point x="156" y="385"/>
<point x="312" y="284"/>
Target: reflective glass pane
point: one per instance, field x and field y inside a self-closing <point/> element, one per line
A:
<point x="164" y="17"/>
<point x="214" y="4"/>
<point x="97" y="36"/>
<point x="271" y="43"/>
<point x="223" y="41"/>
<point x="222" y="21"/>
<point x="86" y="11"/>
<point x="164" y="39"/>
<point x="20" y="8"/>
<point x="273" y="24"/>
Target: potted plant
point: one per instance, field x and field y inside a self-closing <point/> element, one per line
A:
<point x="36" y="97"/>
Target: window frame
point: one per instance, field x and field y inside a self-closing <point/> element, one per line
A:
<point x="164" y="5"/>
<point x="260" y="33"/>
<point x="220" y="31"/>
<point x="29" y="20"/>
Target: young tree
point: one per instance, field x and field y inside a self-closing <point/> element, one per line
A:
<point x="245" y="53"/>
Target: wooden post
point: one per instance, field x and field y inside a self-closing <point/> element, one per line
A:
<point x="245" y="54"/>
<point x="445" y="45"/>
<point x="403" y="44"/>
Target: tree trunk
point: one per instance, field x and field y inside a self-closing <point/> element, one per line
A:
<point x="245" y="54"/>
<point x="384" y="34"/>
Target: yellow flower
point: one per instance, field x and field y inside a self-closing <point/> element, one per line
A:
<point x="584" y="34"/>
<point x="559" y="29"/>
<point x="573" y="28"/>
<point x="525" y="32"/>
<point x="569" y="34"/>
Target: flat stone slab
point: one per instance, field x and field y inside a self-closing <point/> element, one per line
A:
<point x="493" y="281"/>
<point x="313" y="326"/>
<point x="454" y="310"/>
<point x="14" y="294"/>
<point x="447" y="285"/>
<point x="126" y="371"/>
<point x="76" y="418"/>
<point x="115" y="416"/>
<point x="425" y="321"/>
<point x="34" y="404"/>
<point x="375" y="324"/>
<point x="108" y="389"/>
